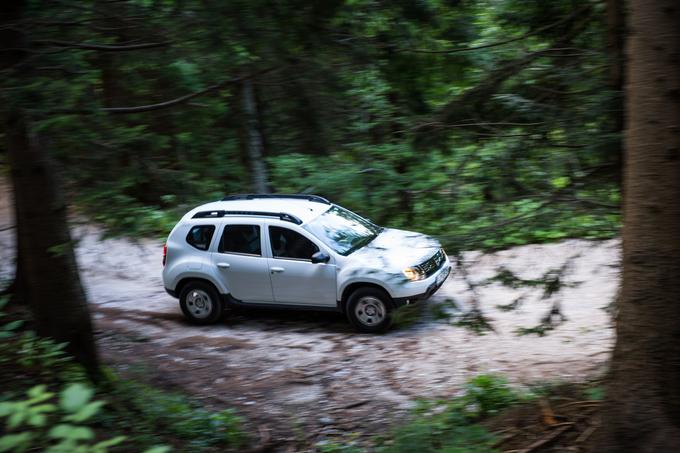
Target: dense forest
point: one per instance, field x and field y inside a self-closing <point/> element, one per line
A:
<point x="486" y="124"/>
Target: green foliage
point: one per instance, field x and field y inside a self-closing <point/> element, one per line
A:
<point x="144" y="411"/>
<point x="488" y="394"/>
<point x="7" y="330"/>
<point x="451" y="426"/>
<point x="595" y="393"/>
<point x="375" y="105"/>
<point x="42" y="356"/>
<point x="37" y="423"/>
<point x="71" y="420"/>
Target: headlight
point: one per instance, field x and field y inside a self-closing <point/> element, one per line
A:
<point x="413" y="274"/>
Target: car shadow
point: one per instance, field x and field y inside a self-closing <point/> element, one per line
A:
<point x="286" y="319"/>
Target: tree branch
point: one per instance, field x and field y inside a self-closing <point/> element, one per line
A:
<point x="168" y="103"/>
<point x="103" y="47"/>
<point x="501" y="43"/>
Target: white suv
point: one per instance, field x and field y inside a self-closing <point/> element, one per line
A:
<point x="297" y="251"/>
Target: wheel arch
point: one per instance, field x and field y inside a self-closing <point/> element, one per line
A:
<point x="350" y="288"/>
<point x="183" y="282"/>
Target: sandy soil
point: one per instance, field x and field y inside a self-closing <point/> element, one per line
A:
<point x="308" y="375"/>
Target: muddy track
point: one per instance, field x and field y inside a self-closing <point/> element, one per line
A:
<point x="307" y="376"/>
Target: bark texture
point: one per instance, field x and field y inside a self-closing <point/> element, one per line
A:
<point x="255" y="141"/>
<point x="48" y="264"/>
<point x="642" y="410"/>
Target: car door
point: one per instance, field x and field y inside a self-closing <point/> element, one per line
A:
<point x="240" y="262"/>
<point x="295" y="279"/>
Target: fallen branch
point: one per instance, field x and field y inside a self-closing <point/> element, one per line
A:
<point x="580" y="403"/>
<point x="548" y="439"/>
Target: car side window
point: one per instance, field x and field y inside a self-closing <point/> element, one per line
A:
<point x="200" y="236"/>
<point x="289" y="244"/>
<point x="241" y="239"/>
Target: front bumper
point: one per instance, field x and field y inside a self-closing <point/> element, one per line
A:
<point x="439" y="279"/>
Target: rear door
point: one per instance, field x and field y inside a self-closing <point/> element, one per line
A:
<point x="295" y="279"/>
<point x="240" y="262"/>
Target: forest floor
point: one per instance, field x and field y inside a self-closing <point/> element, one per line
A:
<point x="303" y="377"/>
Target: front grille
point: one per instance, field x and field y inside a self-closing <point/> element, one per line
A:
<point x="432" y="264"/>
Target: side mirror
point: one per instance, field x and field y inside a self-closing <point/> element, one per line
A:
<point x="320" y="257"/>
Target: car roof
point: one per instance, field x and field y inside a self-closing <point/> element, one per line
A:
<point x="305" y="210"/>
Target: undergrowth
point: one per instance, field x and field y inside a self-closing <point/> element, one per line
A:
<point x="47" y="403"/>
<point x="450" y="426"/>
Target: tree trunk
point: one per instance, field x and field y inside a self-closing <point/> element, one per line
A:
<point x="255" y="142"/>
<point x="642" y="407"/>
<point x="48" y="262"/>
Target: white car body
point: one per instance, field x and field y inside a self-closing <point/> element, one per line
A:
<point x="267" y="280"/>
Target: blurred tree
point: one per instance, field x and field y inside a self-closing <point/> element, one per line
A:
<point x="642" y="407"/>
<point x="47" y="275"/>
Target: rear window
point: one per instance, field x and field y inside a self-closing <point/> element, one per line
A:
<point x="241" y="239"/>
<point x="200" y="236"/>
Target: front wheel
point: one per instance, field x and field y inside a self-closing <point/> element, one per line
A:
<point x="200" y="303"/>
<point x="370" y="310"/>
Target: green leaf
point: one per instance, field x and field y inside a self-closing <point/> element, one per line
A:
<point x="71" y="432"/>
<point x="85" y="412"/>
<point x="37" y="391"/>
<point x="75" y="397"/>
<point x="15" y="442"/>
<point x="103" y="445"/>
<point x="12" y="325"/>
<point x="16" y="419"/>
<point x="158" y="449"/>
<point x="6" y="409"/>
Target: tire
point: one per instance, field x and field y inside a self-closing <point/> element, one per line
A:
<point x="370" y="310"/>
<point x="200" y="303"/>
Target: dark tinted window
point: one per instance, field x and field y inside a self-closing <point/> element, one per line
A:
<point x="241" y="239"/>
<point x="200" y="236"/>
<point x="289" y="244"/>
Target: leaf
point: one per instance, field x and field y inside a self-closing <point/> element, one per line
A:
<point x="37" y="420"/>
<point x="158" y="449"/>
<point x="75" y="397"/>
<point x="85" y="412"/>
<point x="72" y="432"/>
<point x="37" y="391"/>
<point x="15" y="442"/>
<point x="12" y="325"/>
<point x="16" y="419"/>
<point x="103" y="445"/>
<point x="6" y="409"/>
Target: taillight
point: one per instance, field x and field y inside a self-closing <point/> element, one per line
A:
<point x="165" y="253"/>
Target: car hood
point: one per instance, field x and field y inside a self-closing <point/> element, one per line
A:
<point x="393" y="250"/>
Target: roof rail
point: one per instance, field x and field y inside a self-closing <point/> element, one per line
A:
<point x="222" y="213"/>
<point x="295" y="196"/>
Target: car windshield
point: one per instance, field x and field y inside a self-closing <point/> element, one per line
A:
<point x="343" y="230"/>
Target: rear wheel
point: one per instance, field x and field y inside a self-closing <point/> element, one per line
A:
<point x="200" y="303"/>
<point x="370" y="310"/>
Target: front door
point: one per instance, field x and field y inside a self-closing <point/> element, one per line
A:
<point x="241" y="264"/>
<point x="295" y="279"/>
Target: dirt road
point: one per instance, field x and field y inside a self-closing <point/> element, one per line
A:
<point x="308" y="375"/>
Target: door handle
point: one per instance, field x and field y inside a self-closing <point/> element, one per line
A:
<point x="223" y="265"/>
<point x="276" y="270"/>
